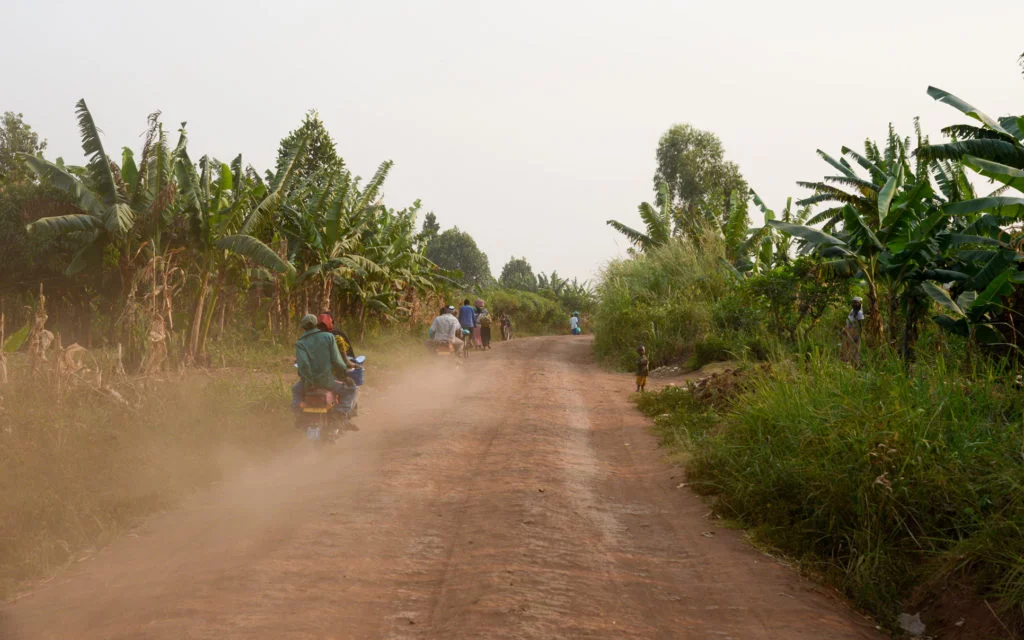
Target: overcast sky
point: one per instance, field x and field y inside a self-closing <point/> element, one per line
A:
<point x="526" y="123"/>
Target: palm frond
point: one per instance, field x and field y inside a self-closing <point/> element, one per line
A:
<point x="58" y="225"/>
<point x="637" y="238"/>
<point x="993" y="150"/>
<point x="256" y="251"/>
<point x="99" y="165"/>
<point x="81" y="196"/>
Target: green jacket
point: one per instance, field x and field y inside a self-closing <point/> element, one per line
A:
<point x="319" y="360"/>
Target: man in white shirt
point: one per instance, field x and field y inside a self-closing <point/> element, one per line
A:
<point x="446" y="328"/>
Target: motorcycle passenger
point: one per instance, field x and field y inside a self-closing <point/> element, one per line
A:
<point x="321" y="366"/>
<point x="325" y="321"/>
<point x="446" y="329"/>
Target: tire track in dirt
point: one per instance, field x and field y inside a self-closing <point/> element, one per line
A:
<point x="520" y="497"/>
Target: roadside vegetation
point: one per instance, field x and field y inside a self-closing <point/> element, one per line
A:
<point x="896" y="478"/>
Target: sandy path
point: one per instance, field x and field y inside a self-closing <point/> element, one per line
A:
<point x="520" y="497"/>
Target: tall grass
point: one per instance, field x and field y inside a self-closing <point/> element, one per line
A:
<point x="883" y="481"/>
<point x="663" y="299"/>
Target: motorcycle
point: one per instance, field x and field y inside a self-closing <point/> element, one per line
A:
<point x="317" y="415"/>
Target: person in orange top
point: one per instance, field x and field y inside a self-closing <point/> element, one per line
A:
<point x="325" y="322"/>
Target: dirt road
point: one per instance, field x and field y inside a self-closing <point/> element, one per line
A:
<point x="520" y="497"/>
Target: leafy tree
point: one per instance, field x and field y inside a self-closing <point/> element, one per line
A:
<point x="796" y="295"/>
<point x="518" y="274"/>
<point x="430" y="230"/>
<point x="319" y="160"/>
<point x="456" y="250"/>
<point x="17" y="137"/>
<point x="700" y="180"/>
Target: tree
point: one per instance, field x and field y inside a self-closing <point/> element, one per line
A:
<point x="17" y="137"/>
<point x="320" y="158"/>
<point x="700" y="181"/>
<point x="456" y="250"/>
<point x="518" y="274"/>
<point x="430" y="230"/>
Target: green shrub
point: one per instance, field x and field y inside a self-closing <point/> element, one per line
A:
<point x="711" y="349"/>
<point x="881" y="480"/>
<point x="662" y="299"/>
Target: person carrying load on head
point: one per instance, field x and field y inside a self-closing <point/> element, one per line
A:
<point x="643" y="368"/>
<point x="483" y="323"/>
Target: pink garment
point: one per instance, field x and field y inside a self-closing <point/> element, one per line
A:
<point x="477" y="340"/>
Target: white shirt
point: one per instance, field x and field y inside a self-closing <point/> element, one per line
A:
<point x="574" y="322"/>
<point x="445" y="327"/>
<point x="855" y="317"/>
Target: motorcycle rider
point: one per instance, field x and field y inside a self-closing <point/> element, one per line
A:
<point x="446" y="328"/>
<point x="321" y="366"/>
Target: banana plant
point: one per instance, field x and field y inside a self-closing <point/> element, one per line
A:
<point x="893" y="232"/>
<point x="105" y="214"/>
<point x="658" y="220"/>
<point x="994" y="150"/>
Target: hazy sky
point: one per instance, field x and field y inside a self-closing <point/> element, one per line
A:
<point x="526" y="123"/>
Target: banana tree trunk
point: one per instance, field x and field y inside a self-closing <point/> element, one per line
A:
<point x="223" y="313"/>
<point x="208" y="320"/>
<point x="197" y="319"/>
<point x="875" y="327"/>
<point x="327" y="281"/>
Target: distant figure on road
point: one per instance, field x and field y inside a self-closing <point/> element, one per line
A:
<point x="506" y="327"/>
<point x="467" y="318"/>
<point x="850" y="334"/>
<point x="482" y="330"/>
<point x="574" y="324"/>
<point x="643" y="367"/>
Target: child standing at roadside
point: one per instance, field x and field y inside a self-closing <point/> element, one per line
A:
<point x="642" y="369"/>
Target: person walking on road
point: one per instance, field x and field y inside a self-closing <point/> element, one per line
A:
<point x="467" y="316"/>
<point x="483" y="326"/>
<point x="643" y="367"/>
<point x="574" y="324"/>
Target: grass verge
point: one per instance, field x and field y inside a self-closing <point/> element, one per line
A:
<point x="892" y="486"/>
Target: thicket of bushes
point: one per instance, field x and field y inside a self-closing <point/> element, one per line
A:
<point x="532" y="313"/>
<point x="663" y="299"/>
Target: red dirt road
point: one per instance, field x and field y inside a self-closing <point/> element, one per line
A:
<point x="519" y="497"/>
